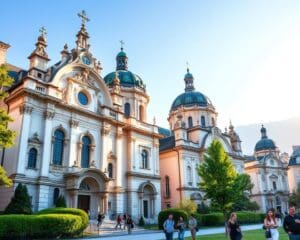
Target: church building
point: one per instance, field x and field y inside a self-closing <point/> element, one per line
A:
<point x="193" y="126"/>
<point x="81" y="135"/>
<point x="268" y="171"/>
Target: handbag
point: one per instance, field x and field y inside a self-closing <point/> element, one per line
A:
<point x="268" y="233"/>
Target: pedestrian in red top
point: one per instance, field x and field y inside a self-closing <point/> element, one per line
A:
<point x="119" y="221"/>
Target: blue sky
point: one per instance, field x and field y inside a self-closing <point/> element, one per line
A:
<point x="244" y="55"/>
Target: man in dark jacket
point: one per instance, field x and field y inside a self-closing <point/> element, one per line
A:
<point x="291" y="224"/>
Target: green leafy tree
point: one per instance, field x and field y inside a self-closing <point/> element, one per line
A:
<point x="20" y="202"/>
<point x="61" y="201"/>
<point x="188" y="206"/>
<point x="294" y="199"/>
<point x="7" y="136"/>
<point x="219" y="180"/>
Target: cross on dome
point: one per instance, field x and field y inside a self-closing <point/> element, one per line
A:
<point x="122" y="44"/>
<point x="83" y="17"/>
<point x="43" y="31"/>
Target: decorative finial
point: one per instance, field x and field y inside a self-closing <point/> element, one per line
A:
<point x="122" y="44"/>
<point x="187" y="67"/>
<point x="83" y="17"/>
<point x="43" y="32"/>
<point x="66" y="47"/>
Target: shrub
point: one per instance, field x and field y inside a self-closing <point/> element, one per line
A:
<point x="141" y="221"/>
<point x="216" y="219"/>
<point x="20" y="202"/>
<point x="188" y="206"/>
<point x="203" y="208"/>
<point x="39" y="226"/>
<point x="74" y="211"/>
<point x="163" y="215"/>
<point x="61" y="202"/>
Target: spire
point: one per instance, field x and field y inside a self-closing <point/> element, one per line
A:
<point x="82" y="35"/>
<point x="122" y="59"/>
<point x="64" y="53"/>
<point x="189" y="80"/>
<point x="263" y="131"/>
<point x="41" y="45"/>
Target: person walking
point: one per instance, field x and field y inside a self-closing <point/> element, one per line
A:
<point x="181" y="228"/>
<point x="271" y="225"/>
<point x="100" y="218"/>
<point x="129" y="224"/>
<point x="124" y="220"/>
<point x="169" y="227"/>
<point x="119" y="221"/>
<point x="291" y="224"/>
<point x="193" y="227"/>
<point x="234" y="230"/>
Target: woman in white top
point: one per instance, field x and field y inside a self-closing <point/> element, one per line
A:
<point x="270" y="223"/>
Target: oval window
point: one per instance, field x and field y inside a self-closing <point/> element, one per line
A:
<point x="83" y="99"/>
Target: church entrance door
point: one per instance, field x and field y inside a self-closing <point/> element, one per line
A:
<point x="84" y="202"/>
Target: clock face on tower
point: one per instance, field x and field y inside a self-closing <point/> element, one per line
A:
<point x="86" y="60"/>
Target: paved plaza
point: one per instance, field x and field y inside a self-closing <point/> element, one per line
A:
<point x="108" y="232"/>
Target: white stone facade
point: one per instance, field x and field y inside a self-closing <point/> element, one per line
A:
<point x="75" y="140"/>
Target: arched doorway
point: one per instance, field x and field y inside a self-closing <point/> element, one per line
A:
<point x="87" y="190"/>
<point x="147" y="198"/>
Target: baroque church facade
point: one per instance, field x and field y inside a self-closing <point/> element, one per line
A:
<point x="82" y="136"/>
<point x="193" y="126"/>
<point x="268" y="170"/>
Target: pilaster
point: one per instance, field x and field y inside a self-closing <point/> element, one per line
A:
<point x="26" y="111"/>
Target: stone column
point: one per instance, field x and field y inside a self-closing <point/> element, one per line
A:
<point x="79" y="148"/>
<point x="47" y="143"/>
<point x="72" y="147"/>
<point x="26" y="110"/>
<point x="119" y="158"/>
<point x="155" y="156"/>
<point x="105" y="130"/>
<point x="132" y="164"/>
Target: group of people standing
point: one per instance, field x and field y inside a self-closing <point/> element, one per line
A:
<point x="291" y="225"/>
<point x="272" y="221"/>
<point x="169" y="226"/>
<point x="126" y="221"/>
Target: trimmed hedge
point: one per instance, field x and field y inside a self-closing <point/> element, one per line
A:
<point x="74" y="211"/>
<point x="216" y="219"/>
<point x="48" y="223"/>
<point x="39" y="226"/>
<point x="163" y="215"/>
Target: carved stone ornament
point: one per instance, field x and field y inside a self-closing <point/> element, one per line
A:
<point x="83" y="76"/>
<point x="73" y="123"/>
<point x="25" y="109"/>
<point x="49" y="114"/>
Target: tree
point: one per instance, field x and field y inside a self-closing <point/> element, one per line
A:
<point x="294" y="199"/>
<point x="7" y="136"/>
<point x="20" y="202"/>
<point x="188" y="206"/>
<point x="61" y="201"/>
<point x="220" y="181"/>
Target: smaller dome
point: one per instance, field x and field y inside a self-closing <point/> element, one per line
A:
<point x="121" y="54"/>
<point x="264" y="143"/>
<point x="127" y="79"/>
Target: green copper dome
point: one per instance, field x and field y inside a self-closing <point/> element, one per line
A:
<point x="127" y="79"/>
<point x="191" y="98"/>
<point x="121" y="54"/>
<point x="264" y="143"/>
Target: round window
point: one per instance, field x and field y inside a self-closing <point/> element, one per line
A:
<point x="83" y="99"/>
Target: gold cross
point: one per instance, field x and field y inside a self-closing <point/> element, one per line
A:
<point x="122" y="44"/>
<point x="43" y="31"/>
<point x="83" y="17"/>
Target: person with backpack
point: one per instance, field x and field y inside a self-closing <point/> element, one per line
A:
<point x="181" y="228"/>
<point x="169" y="227"/>
<point x="129" y="224"/>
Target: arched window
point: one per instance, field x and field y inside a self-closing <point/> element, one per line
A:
<point x="58" y="147"/>
<point x="189" y="176"/>
<point x="202" y="121"/>
<point x="190" y="122"/>
<point x="213" y="122"/>
<point x="127" y="110"/>
<point x="32" y="158"/>
<point x="144" y="159"/>
<point x="167" y="186"/>
<point x="85" y="152"/>
<point x="110" y="170"/>
<point x="55" y="195"/>
<point x="141" y="113"/>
